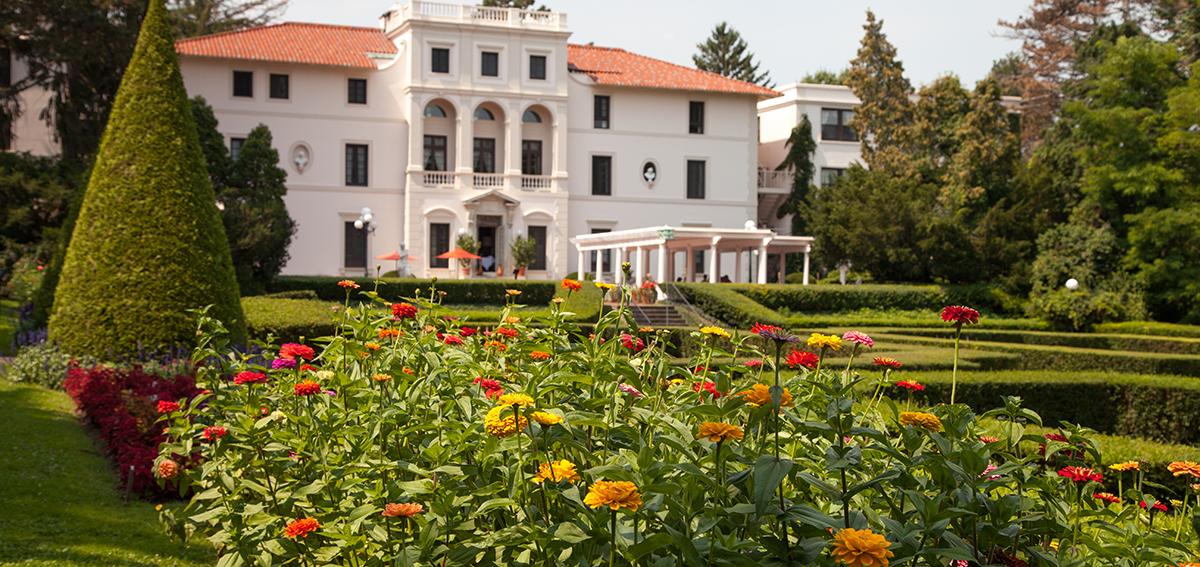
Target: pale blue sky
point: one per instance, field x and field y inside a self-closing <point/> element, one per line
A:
<point x="790" y="38"/>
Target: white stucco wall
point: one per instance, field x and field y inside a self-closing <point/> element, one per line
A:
<point x="30" y="132"/>
<point x="777" y="117"/>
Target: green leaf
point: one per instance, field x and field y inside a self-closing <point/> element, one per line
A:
<point x="768" y="475"/>
<point x="494" y="504"/>
<point x="569" y="533"/>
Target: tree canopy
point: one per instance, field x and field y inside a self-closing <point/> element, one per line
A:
<point x="726" y="53"/>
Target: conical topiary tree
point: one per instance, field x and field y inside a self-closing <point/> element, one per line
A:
<point x="148" y="244"/>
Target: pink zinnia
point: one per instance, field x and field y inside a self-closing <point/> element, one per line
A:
<point x="858" y="338"/>
<point x="755" y="363"/>
<point x="630" y="390"/>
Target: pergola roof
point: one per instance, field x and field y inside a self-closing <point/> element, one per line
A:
<point x="682" y="237"/>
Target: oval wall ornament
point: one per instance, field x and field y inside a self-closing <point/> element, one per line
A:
<point x="649" y="172"/>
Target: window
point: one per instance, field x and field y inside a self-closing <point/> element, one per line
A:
<point x="699" y="266"/>
<point x="440" y="60"/>
<point x="485" y="155"/>
<point x="835" y="125"/>
<point x="695" y="117"/>
<point x="695" y="179"/>
<point x="600" y="109"/>
<point x="482" y="113"/>
<point x="538" y="234"/>
<point x="280" y="86"/>
<point x="243" y="84"/>
<point x="356" y="91"/>
<point x="5" y="67"/>
<point x="531" y="157"/>
<point x="435" y="153"/>
<point x="531" y="117"/>
<point x="356" y="165"/>
<point x="434" y="111"/>
<point x="356" y="247"/>
<point x="830" y="175"/>
<point x="439" y="243"/>
<point x="489" y="64"/>
<point x="605" y="260"/>
<point x="537" y="67"/>
<point x="602" y="175"/>
<point x="235" y="147"/>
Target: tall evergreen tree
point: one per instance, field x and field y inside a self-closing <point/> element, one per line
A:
<point x="876" y="77"/>
<point x="212" y="143"/>
<point x="148" y="244"/>
<point x="726" y="53"/>
<point x="201" y="17"/>
<point x="256" y="219"/>
<point x="800" y="147"/>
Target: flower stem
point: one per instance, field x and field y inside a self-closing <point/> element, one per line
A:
<point x="954" y="372"/>
<point x="612" y="551"/>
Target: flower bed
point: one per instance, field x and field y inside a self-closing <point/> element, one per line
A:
<point x="412" y="439"/>
<point x="122" y="404"/>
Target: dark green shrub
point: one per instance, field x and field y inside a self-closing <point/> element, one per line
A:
<point x="1077" y="340"/>
<point x="1092" y="255"/>
<point x="458" y="292"/>
<point x="289" y="319"/>
<point x="829" y="298"/>
<point x="148" y="244"/>
<point x="729" y="306"/>
<point x="293" y="294"/>
<point x="1153" y="328"/>
<point x="43" y="364"/>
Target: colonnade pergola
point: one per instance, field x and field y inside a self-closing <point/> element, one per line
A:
<point x="666" y="243"/>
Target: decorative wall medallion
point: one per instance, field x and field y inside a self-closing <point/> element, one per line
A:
<point x="301" y="157"/>
<point x="650" y="172"/>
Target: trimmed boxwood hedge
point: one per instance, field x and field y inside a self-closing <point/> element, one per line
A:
<point x="148" y="244"/>
<point x="1165" y="408"/>
<point x="1103" y="341"/>
<point x="729" y="306"/>
<point x="829" y="298"/>
<point x="458" y="292"/>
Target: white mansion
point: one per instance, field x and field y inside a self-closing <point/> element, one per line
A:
<point x="451" y="119"/>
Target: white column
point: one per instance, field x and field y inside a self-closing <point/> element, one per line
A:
<point x="806" y="250"/>
<point x="599" y="265"/>
<point x="464" y="161"/>
<point x="639" y="276"/>
<point x="416" y="139"/>
<point x="512" y="149"/>
<point x="714" y="261"/>
<point x="737" y="265"/>
<point x="762" y="262"/>
<point x="582" y="265"/>
<point x="662" y="268"/>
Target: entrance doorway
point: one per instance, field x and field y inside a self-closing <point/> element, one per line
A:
<point x="490" y="248"/>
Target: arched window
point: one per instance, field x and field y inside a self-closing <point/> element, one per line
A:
<point x="434" y="111"/>
<point x="531" y="117"/>
<point x="482" y="113"/>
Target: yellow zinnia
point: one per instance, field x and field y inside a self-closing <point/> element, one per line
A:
<point x="545" y="418"/>
<point x="512" y="292"/>
<point x="718" y="432"/>
<point x="1126" y="466"/>
<point x="556" y="471"/>
<point x="516" y="400"/>
<point x="819" y="341"/>
<point x="861" y="548"/>
<point x="605" y="286"/>
<point x="500" y="422"/>
<point x="715" y="331"/>
<point x="921" y="419"/>
<point x="760" y="395"/>
<point x="615" y="494"/>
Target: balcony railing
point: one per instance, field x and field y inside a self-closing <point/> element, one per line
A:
<point x="536" y="182"/>
<point x="451" y="179"/>
<point x="773" y="179"/>
<point x="480" y="15"/>
<point x="437" y="178"/>
<point x="488" y="180"/>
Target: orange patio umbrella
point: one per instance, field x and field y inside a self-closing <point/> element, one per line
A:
<point x="458" y="254"/>
<point x="395" y="256"/>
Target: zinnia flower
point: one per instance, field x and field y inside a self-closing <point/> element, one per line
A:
<point x="381" y="378"/>
<point x="773" y="333"/>
<point x="167" y="406"/>
<point x="390" y="333"/>
<point x="571" y="284"/>
<point x="798" y="358"/>
<point x="557" y="471"/>
<point x="403" y="311"/>
<point x="819" y="341"/>
<point x="887" y="362"/>
<point x="249" y="377"/>
<point x="754" y="363"/>
<point x="1080" y="474"/>
<point x="452" y="340"/>
<point x="858" y="338"/>
<point x="911" y="386"/>
<point x="347" y="284"/>
<point x="279" y="363"/>
<point x="516" y="399"/>
<point x="306" y="388"/>
<point x="605" y="286"/>
<point x="512" y="292"/>
<point x="301" y="528"/>
<point x="539" y="355"/>
<point x="632" y="343"/>
<point x="546" y="418"/>
<point x="628" y="389"/>
<point x="1181" y="468"/>
<point x="467" y="331"/>
<point x="508" y="332"/>
<point x="718" y="432"/>
<point x="500" y="422"/>
<point x="214" y="432"/>
<point x="614" y="494"/>
<point x="1158" y="505"/>
<point x="296" y="350"/>
<point x="987" y="473"/>
<point x="760" y="395"/>
<point x="707" y="386"/>
<point x="402" y="510"/>
<point x="921" y="419"/>
<point x="167" y="469"/>
<point x="496" y="345"/>
<point x="960" y="315"/>
<point x="989" y="439"/>
<point x="1126" y="466"/>
<point x="714" y="331"/>
<point x="860" y="548"/>
<point x="1107" y="497"/>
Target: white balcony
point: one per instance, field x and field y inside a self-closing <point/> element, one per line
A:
<point x="537" y="183"/>
<point x="488" y="180"/>
<point x="437" y="179"/>
<point x="419" y="10"/>
<point x="774" y="179"/>
<point x="485" y="181"/>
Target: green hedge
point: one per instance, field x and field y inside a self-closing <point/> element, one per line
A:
<point x="882" y="318"/>
<point x="458" y="292"/>
<point x="724" y="303"/>
<point x="1101" y="341"/>
<point x="1153" y="328"/>
<point x="1165" y="408"/>
<point x="829" y="298"/>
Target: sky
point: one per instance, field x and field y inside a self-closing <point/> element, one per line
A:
<point x="789" y="38"/>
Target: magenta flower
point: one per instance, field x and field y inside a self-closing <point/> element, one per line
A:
<point x="283" y="363"/>
<point x="630" y="390"/>
<point x="858" y="338"/>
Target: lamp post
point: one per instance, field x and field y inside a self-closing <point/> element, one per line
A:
<point x="366" y="222"/>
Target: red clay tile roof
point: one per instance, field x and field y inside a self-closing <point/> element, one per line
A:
<point x="293" y="42"/>
<point x="620" y="68"/>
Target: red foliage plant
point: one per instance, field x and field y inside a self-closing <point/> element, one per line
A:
<point x="122" y="404"/>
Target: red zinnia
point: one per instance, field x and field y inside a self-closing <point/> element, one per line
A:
<point x="887" y="362"/>
<point x="508" y="332"/>
<point x="487" y="383"/>
<point x="308" y="368"/>
<point x="452" y="340"/>
<point x="911" y="386"/>
<point x="307" y="388"/>
<point x="1107" y="497"/>
<point x="759" y="328"/>
<point x="347" y="284"/>
<point x="293" y="351"/>
<point x="166" y="406"/>
<point x="214" y="432"/>
<point x="249" y="377"/>
<point x="1080" y="474"/>
<point x="467" y="331"/>
<point x="632" y="343"/>
<point x="960" y="315"/>
<point x="707" y="386"/>
<point x="1158" y="505"/>
<point x="798" y="358"/>
<point x="301" y="528"/>
<point x="403" y="311"/>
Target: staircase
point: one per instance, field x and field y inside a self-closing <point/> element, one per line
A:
<point x="658" y="315"/>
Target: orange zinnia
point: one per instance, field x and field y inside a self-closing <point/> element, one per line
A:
<point x="301" y="528"/>
<point x="402" y="510"/>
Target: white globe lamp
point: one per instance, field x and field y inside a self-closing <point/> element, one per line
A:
<point x="1072" y="284"/>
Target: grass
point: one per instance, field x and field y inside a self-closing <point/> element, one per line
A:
<point x="59" y="501"/>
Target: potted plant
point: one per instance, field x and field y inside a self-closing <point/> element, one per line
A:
<point x="468" y="243"/>
<point x="523" y="249"/>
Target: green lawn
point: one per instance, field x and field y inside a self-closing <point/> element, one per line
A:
<point x="58" y="502"/>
